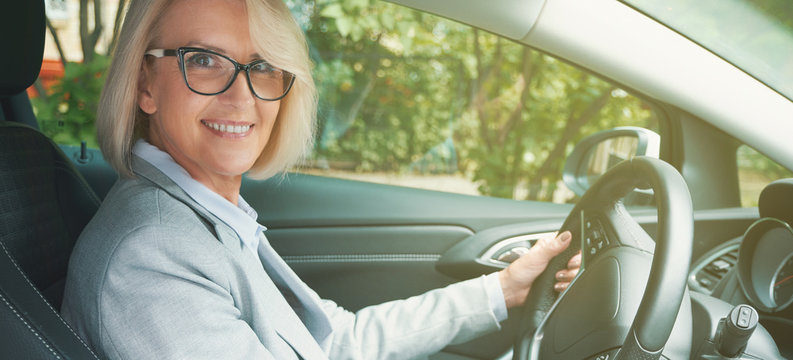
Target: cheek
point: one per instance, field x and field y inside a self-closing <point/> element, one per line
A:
<point x="178" y="115"/>
<point x="178" y="102"/>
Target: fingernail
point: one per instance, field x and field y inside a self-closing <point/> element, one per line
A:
<point x="558" y="287"/>
<point x="565" y="237"/>
<point x="560" y="275"/>
<point x="575" y="262"/>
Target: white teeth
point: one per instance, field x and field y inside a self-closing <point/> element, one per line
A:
<point x="232" y="129"/>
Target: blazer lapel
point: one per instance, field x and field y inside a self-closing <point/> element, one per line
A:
<point x="303" y="301"/>
<point x="289" y="326"/>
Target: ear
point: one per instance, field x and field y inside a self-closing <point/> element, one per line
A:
<point x="145" y="98"/>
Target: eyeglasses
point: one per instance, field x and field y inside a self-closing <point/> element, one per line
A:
<point x="210" y="73"/>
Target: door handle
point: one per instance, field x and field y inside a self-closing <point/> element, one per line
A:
<point x="510" y="249"/>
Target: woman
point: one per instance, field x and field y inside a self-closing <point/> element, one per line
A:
<point x="174" y="265"/>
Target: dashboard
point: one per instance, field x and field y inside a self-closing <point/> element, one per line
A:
<point x="757" y="268"/>
<point x="765" y="265"/>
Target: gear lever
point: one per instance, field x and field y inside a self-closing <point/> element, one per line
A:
<point x="735" y="330"/>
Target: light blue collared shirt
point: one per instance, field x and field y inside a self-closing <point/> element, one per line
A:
<point x="242" y="218"/>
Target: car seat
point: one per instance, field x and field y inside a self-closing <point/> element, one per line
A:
<point x="44" y="203"/>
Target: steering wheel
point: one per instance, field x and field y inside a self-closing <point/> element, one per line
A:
<point x="607" y="312"/>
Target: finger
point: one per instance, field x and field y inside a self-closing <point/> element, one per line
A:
<point x="560" y="286"/>
<point x="575" y="261"/>
<point x="545" y="249"/>
<point x="563" y="279"/>
<point x="566" y="275"/>
<point x="561" y="276"/>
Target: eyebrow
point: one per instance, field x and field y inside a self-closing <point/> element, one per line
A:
<point x="194" y="43"/>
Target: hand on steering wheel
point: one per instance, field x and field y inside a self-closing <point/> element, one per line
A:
<point x="517" y="278"/>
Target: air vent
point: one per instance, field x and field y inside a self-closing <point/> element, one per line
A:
<point x="708" y="274"/>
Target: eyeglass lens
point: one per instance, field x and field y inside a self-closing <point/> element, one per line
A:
<point x="211" y="73"/>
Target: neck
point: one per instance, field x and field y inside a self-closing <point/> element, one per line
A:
<point x="226" y="186"/>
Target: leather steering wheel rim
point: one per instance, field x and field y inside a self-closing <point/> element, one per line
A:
<point x="660" y="303"/>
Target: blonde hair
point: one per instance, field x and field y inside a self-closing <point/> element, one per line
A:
<point x="276" y="36"/>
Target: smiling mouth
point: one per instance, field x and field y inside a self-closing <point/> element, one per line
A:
<point x="229" y="129"/>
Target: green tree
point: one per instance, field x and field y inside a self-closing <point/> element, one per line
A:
<point x="416" y="86"/>
<point x="67" y="112"/>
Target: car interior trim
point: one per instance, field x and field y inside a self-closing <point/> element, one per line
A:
<point x="491" y="254"/>
<point x="486" y="14"/>
<point x="357" y="258"/>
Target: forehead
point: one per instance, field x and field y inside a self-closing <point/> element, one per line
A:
<point x="222" y="24"/>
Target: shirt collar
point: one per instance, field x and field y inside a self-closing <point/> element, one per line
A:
<point x="241" y="218"/>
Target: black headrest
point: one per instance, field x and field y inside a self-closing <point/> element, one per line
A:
<point x="22" y="26"/>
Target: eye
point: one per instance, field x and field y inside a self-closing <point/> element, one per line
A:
<point x="263" y="68"/>
<point x="201" y="60"/>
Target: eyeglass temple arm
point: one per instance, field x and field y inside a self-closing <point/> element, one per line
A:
<point x="161" y="52"/>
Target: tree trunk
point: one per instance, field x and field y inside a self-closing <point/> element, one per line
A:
<point x="479" y="92"/>
<point x="42" y="92"/>
<point x="574" y="124"/>
<point x="57" y="41"/>
<point x="527" y="74"/>
<point x="90" y="37"/>
<point x="117" y="25"/>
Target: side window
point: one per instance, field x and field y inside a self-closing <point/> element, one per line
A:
<point x="755" y="171"/>
<point x="76" y="58"/>
<point x="416" y="100"/>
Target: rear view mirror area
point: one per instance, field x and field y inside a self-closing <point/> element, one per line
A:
<point x="597" y="153"/>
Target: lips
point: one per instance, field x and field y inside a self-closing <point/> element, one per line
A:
<point x="227" y="128"/>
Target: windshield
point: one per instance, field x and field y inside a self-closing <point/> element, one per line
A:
<point x="754" y="35"/>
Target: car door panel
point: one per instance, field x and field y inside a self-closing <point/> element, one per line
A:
<point x="357" y="266"/>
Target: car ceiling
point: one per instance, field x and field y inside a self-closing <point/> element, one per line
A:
<point x="640" y="54"/>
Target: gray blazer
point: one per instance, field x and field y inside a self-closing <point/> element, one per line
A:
<point x="155" y="276"/>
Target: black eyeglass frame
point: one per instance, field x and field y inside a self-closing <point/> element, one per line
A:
<point x="180" y="52"/>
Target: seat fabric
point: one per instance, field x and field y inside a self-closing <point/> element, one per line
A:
<point x="44" y="204"/>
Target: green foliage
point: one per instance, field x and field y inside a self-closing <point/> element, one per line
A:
<point x="752" y="164"/>
<point x="403" y="91"/>
<point x="68" y="113"/>
<point x="755" y="171"/>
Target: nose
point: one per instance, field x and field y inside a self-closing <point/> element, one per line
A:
<point x="239" y="93"/>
